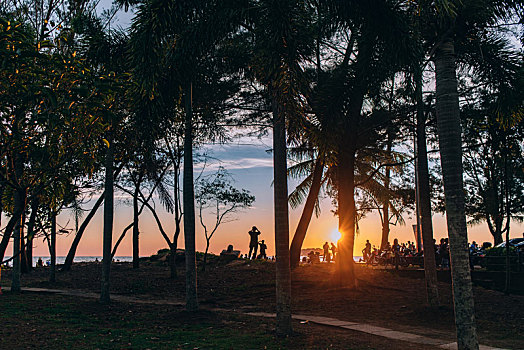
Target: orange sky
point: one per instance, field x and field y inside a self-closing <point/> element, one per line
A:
<point x="321" y="229"/>
<point x="251" y="166"/>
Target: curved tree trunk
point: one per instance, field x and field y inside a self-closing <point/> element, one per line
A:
<point x="8" y="231"/>
<point x="346" y="215"/>
<point x="283" y="272"/>
<point x="189" y="206"/>
<point x="423" y="190"/>
<point x="450" y="143"/>
<point x="307" y="213"/>
<point x="72" y="250"/>
<point x="108" y="222"/>
<point x="119" y="240"/>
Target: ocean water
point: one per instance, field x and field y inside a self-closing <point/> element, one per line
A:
<point x="60" y="259"/>
<point x="355" y="258"/>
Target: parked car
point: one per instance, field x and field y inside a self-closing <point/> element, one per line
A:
<point x="512" y="243"/>
<point x="495" y="257"/>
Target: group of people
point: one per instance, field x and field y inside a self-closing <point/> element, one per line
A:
<point x="329" y="256"/>
<point x="397" y="251"/>
<point x="254" y="244"/>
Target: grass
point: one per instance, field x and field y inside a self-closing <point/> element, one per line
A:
<point x="47" y="321"/>
<point x="57" y="322"/>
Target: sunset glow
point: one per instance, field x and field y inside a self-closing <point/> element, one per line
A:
<point x="335" y="235"/>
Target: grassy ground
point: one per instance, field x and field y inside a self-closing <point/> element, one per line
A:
<point x="390" y="299"/>
<point x="57" y="322"/>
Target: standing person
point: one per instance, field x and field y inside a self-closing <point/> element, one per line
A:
<point x="333" y="250"/>
<point x="253" y="242"/>
<point x="367" y="251"/>
<point x="263" y="248"/>
<point x="327" y="256"/>
<point x="396" y="252"/>
<point x="444" y="253"/>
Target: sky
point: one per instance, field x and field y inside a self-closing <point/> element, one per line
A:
<point x="251" y="165"/>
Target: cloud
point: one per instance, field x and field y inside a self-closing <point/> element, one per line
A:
<point x="237" y="164"/>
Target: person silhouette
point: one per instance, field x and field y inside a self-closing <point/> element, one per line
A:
<point x="327" y="256"/>
<point x="333" y="251"/>
<point x="253" y="242"/>
<point x="263" y="248"/>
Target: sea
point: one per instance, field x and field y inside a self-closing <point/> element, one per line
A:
<point x="78" y="259"/>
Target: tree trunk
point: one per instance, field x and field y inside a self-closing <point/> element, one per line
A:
<point x="283" y="272"/>
<point x="31" y="232"/>
<point x="346" y="162"/>
<point x="424" y="195"/>
<point x="385" y="207"/>
<point x="450" y="143"/>
<point x="72" y="251"/>
<point x="2" y="187"/>
<point x="108" y="221"/>
<point x="189" y="206"/>
<point x="205" y="256"/>
<point x="307" y="213"/>
<point x="177" y="214"/>
<point x="172" y="260"/>
<point x="136" y="257"/>
<point x="508" y="218"/>
<point x="497" y="237"/>
<point x="18" y="234"/>
<point x="23" y="256"/>
<point x="52" y="248"/>
<point x="19" y="204"/>
<point x="8" y="231"/>
<point x="346" y="214"/>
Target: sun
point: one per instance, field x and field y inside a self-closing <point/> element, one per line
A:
<point x="335" y="235"/>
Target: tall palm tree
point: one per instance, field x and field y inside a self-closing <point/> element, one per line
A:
<point x="455" y="22"/>
<point x="424" y="197"/>
<point x="376" y="30"/>
<point x="108" y="219"/>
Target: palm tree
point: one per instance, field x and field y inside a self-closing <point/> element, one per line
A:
<point x="458" y="21"/>
<point x="108" y="219"/>
<point x="314" y="180"/>
<point x="424" y="197"/>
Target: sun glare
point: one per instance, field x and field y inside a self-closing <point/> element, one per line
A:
<point x="335" y="235"/>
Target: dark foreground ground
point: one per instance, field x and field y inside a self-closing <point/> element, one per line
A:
<point x="383" y="298"/>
